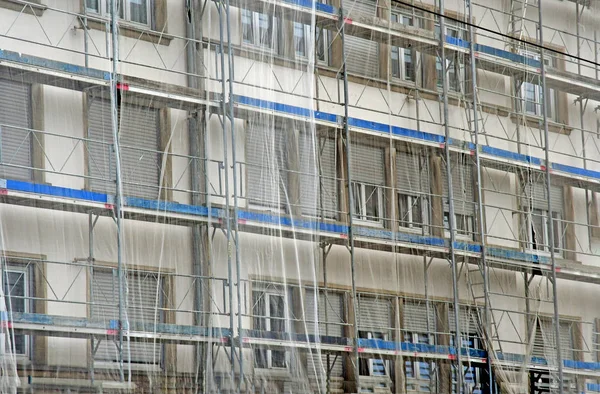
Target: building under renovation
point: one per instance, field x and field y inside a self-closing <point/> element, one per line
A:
<point x="295" y="196"/>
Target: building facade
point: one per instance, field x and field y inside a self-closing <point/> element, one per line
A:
<point x="391" y="196"/>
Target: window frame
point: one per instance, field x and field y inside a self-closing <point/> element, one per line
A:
<point x="362" y="216"/>
<point x="464" y="234"/>
<point x="26" y="272"/>
<point x="452" y="66"/>
<point x="412" y="225"/>
<point x="398" y="16"/>
<point x="267" y="294"/>
<point x="538" y="92"/>
<point x="416" y="363"/>
<point x="162" y="279"/>
<point x="306" y="39"/>
<point x="556" y="217"/>
<point x="371" y="334"/>
<point x="103" y="10"/>
<point x="255" y="25"/>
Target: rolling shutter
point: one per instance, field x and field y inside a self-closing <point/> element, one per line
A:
<point x="537" y="196"/>
<point x="467" y="320"/>
<point x="142" y="292"/>
<point x="15" y="110"/>
<point x="544" y="344"/>
<point x="368" y="164"/>
<point x="139" y="166"/>
<point x="315" y="153"/>
<point x="375" y="315"/>
<point x="362" y="55"/>
<point x="418" y="318"/>
<point x="412" y="173"/>
<point x="266" y="157"/>
<point x="462" y="185"/>
<point x="317" y="363"/>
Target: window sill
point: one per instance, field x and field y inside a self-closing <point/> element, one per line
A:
<point x="277" y="373"/>
<point x="133" y="366"/>
<point x="30" y="7"/>
<point x="536" y="122"/>
<point x="367" y="223"/>
<point x="133" y="31"/>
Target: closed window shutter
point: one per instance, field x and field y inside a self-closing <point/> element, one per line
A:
<point x="317" y="363"/>
<point x="140" y="166"/>
<point x="537" y="196"/>
<point x="462" y="186"/>
<point x="15" y="111"/>
<point x="143" y="290"/>
<point x="368" y="165"/>
<point x="266" y="157"/>
<point x="318" y="156"/>
<point x="412" y="174"/>
<point x="374" y="315"/>
<point x="467" y="320"/>
<point x="544" y="344"/>
<point x="362" y="55"/>
<point x="418" y="318"/>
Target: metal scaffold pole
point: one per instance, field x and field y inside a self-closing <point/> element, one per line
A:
<point x="487" y="329"/>
<point x="451" y="219"/>
<point x="350" y="199"/>
<point x="224" y="112"/>
<point x="550" y="219"/>
<point x="119" y="187"/>
<point x="236" y="204"/>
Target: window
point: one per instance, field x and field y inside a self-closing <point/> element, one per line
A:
<point x="373" y="366"/>
<point x="403" y="64"/>
<point x="454" y="67"/>
<point x="136" y="11"/>
<point x="419" y="373"/>
<point x="464" y="224"/>
<point x="258" y="29"/>
<point x="16" y="289"/>
<point x="367" y="202"/>
<point x="532" y="94"/>
<point x="303" y="42"/>
<point x="145" y="293"/>
<point x="140" y="159"/>
<point x="410" y="211"/>
<point x="269" y="311"/>
<point x="537" y="224"/>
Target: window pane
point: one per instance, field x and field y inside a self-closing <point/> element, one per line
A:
<point x="321" y="44"/>
<point x="260" y="358"/>
<point x="416" y="212"/>
<point x="278" y="358"/>
<point x="15" y="283"/>
<point x="403" y="212"/>
<point x="409" y="67"/>
<point x="93" y="5"/>
<point x="558" y="232"/>
<point x="356" y="193"/>
<point x="264" y="30"/>
<point x="259" y="310"/>
<point x="15" y="290"/>
<point x="395" y="62"/>
<point x="276" y="309"/>
<point x="538" y="231"/>
<point x="247" y="28"/>
<point x="138" y="11"/>
<point x="299" y="39"/>
<point x="372" y="197"/>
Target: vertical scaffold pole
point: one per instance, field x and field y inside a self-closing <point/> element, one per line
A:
<point x="451" y="219"/>
<point x="350" y="199"/>
<point x="480" y="212"/>
<point x="235" y="196"/>
<point x="550" y="220"/>
<point x="119" y="186"/>
<point x="224" y="112"/>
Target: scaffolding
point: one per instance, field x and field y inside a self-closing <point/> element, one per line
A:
<point x="295" y="196"/>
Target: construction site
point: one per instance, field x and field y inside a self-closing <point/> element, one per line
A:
<point x="300" y="197"/>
